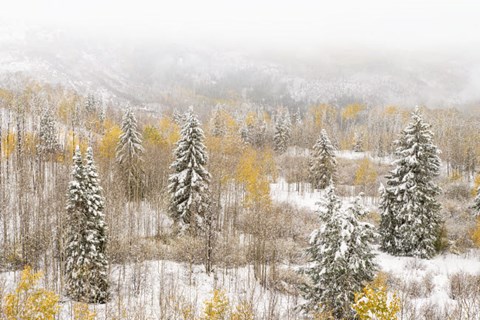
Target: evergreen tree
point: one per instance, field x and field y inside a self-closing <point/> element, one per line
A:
<point x="129" y="157"/>
<point x="341" y="257"/>
<point x="410" y="222"/>
<point x="97" y="231"/>
<point x="48" y="144"/>
<point x="322" y="163"/>
<point x="218" y="124"/>
<point x="476" y="202"/>
<point x="189" y="182"/>
<point x="86" y="269"/>
<point x="282" y="133"/>
<point x="358" y="142"/>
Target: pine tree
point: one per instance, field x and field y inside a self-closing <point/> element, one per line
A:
<point x="323" y="163"/>
<point x="410" y="222"/>
<point x="48" y="144"/>
<point x="341" y="257"/>
<point x="476" y="202"/>
<point x="97" y="232"/>
<point x="358" y="142"/>
<point x="129" y="157"/>
<point x="282" y="133"/>
<point x="189" y="182"/>
<point x="218" y="124"/>
<point x="86" y="269"/>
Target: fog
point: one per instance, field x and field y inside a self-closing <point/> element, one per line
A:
<point x="421" y="52"/>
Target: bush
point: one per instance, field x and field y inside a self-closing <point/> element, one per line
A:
<point x="30" y="302"/>
<point x="373" y="303"/>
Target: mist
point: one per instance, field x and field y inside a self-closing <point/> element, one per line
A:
<point x="374" y="52"/>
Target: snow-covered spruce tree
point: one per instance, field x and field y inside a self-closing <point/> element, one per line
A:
<point x="129" y="157"/>
<point x="322" y="163"/>
<point x="86" y="269"/>
<point x="410" y="222"/>
<point x="341" y="257"/>
<point x="96" y="236"/>
<point x="282" y="135"/>
<point x="358" y="142"/>
<point x="476" y="203"/>
<point x="218" y="124"/>
<point x="189" y="182"/>
<point x="48" y="140"/>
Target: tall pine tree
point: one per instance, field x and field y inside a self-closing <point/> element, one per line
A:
<point x="129" y="157"/>
<point x="341" y="257"/>
<point x="410" y="222"/>
<point x="86" y="269"/>
<point x="282" y="135"/>
<point x="323" y="162"/>
<point x="476" y="202"/>
<point x="189" y="182"/>
<point x="48" y="140"/>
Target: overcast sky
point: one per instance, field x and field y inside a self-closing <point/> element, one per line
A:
<point x="406" y="23"/>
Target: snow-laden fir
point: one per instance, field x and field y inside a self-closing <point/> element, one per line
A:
<point x="86" y="269"/>
<point x="189" y="183"/>
<point x="341" y="257"/>
<point x="323" y="162"/>
<point x="129" y="156"/>
<point x="410" y="211"/>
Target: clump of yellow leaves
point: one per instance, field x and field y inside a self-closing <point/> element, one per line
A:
<point x="218" y="308"/>
<point x="373" y="302"/>
<point x="29" y="302"/>
<point x="82" y="312"/>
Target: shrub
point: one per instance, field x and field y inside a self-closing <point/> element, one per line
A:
<point x="29" y="302"/>
<point x="373" y="303"/>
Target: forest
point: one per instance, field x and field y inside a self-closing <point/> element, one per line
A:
<point x="232" y="209"/>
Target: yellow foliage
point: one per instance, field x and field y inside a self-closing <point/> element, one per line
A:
<point x="323" y="315"/>
<point x="476" y="184"/>
<point x="366" y="173"/>
<point x="8" y="144"/>
<point x="243" y="311"/>
<point x="455" y="176"/>
<point x="109" y="141"/>
<point x="151" y="135"/>
<point x="321" y="113"/>
<point x="73" y="140"/>
<point x="373" y="302"/>
<point x="252" y="173"/>
<point x="30" y="141"/>
<point x="29" y="302"/>
<point x="82" y="312"/>
<point x="475" y="234"/>
<point x="351" y="111"/>
<point x="169" y="130"/>
<point x="391" y="110"/>
<point x="217" y="308"/>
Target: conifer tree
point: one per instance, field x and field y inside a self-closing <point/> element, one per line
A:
<point x="48" y="144"/>
<point x="323" y="162"/>
<point x="341" y="257"/>
<point x="476" y="202"/>
<point x="97" y="231"/>
<point x="410" y="222"/>
<point x="218" y="124"/>
<point x="282" y="133"/>
<point x="358" y="142"/>
<point x="86" y="269"/>
<point x="189" y="182"/>
<point x="129" y="157"/>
